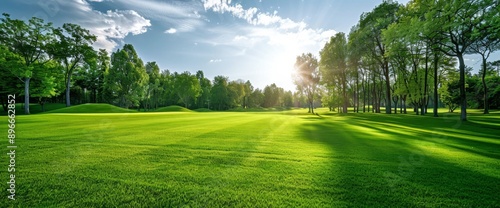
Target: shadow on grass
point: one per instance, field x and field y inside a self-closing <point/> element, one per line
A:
<point x="375" y="166"/>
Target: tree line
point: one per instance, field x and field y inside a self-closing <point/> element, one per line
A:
<point x="44" y="63"/>
<point x="406" y="56"/>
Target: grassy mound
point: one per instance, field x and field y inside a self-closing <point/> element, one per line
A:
<point x="203" y="110"/>
<point x="173" y="108"/>
<point x="92" y="108"/>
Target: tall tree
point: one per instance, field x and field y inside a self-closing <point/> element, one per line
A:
<point x="488" y="41"/>
<point x="153" y="91"/>
<point x="126" y="81"/>
<point x="371" y="25"/>
<point x="74" y="45"/>
<point x="457" y="23"/>
<point x="187" y="87"/>
<point x="29" y="41"/>
<point x="220" y="96"/>
<point x="307" y="77"/>
<point x="47" y="82"/>
<point x="205" y="86"/>
<point x="333" y="65"/>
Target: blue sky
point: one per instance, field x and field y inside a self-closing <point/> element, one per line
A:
<point x="256" y="40"/>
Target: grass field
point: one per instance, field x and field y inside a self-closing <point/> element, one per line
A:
<point x="250" y="159"/>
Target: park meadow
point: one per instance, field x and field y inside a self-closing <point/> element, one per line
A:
<point x="389" y="114"/>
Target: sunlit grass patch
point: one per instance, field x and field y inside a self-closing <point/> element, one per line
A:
<point x="263" y="159"/>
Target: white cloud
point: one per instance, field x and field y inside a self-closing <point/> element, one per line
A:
<point x="269" y="27"/>
<point x="116" y="25"/>
<point x="183" y="16"/>
<point x="171" y="31"/>
<point x="110" y="27"/>
<point x="252" y="15"/>
<point x="215" y="60"/>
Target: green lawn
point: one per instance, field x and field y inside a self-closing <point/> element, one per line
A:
<point x="254" y="159"/>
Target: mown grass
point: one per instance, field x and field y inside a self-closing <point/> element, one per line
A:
<point x="255" y="159"/>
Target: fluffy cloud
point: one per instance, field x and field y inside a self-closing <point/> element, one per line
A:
<point x="215" y="60"/>
<point x="171" y="31"/>
<point x="252" y="15"/>
<point x="270" y="27"/>
<point x="110" y="27"/>
<point x="114" y="25"/>
<point x="183" y="16"/>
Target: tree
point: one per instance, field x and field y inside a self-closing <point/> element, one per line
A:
<point x="237" y="93"/>
<point x="333" y="65"/>
<point x="288" y="99"/>
<point x="103" y="64"/>
<point x="47" y="82"/>
<point x="457" y="24"/>
<point x="219" y="97"/>
<point x="371" y="25"/>
<point x="28" y="41"/>
<point x="205" y="86"/>
<point x="248" y="89"/>
<point x="10" y="84"/>
<point x="153" y="89"/>
<point x="307" y="77"/>
<point x="126" y="81"/>
<point x="187" y="87"/>
<point x="487" y="42"/>
<point x="74" y="45"/>
<point x="256" y="98"/>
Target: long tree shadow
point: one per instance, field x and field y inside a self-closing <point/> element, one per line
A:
<point x="484" y="148"/>
<point x="373" y="167"/>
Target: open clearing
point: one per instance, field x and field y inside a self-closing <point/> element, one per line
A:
<point x="265" y="159"/>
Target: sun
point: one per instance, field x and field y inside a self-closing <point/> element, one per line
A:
<point x="282" y="69"/>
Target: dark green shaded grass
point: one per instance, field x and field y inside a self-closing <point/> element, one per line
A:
<point x="203" y="110"/>
<point x="274" y="159"/>
<point x="92" y="108"/>
<point x="36" y="108"/>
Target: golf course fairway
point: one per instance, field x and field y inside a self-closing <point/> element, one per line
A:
<point x="255" y="159"/>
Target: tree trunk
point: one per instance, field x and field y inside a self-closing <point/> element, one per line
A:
<point x="396" y="105"/>
<point x="463" y="99"/>
<point x="404" y="106"/>
<point x="27" y="95"/>
<point x="401" y="106"/>
<point x="485" y="88"/>
<point x="312" y="107"/>
<point x="68" y="83"/>
<point x="436" y="60"/>
<point x="426" y="75"/>
<point x="357" y="92"/>
<point x="388" y="109"/>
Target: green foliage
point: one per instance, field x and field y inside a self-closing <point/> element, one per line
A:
<point x="187" y="88"/>
<point x="220" y="99"/>
<point x="127" y="80"/>
<point x="273" y="96"/>
<point x="73" y="46"/>
<point x="307" y="77"/>
<point x="256" y="98"/>
<point x="333" y="66"/>
<point x="205" y="86"/>
<point x="154" y="89"/>
<point x="29" y="41"/>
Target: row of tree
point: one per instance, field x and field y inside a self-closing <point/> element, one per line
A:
<point x="59" y="65"/>
<point x="406" y="54"/>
